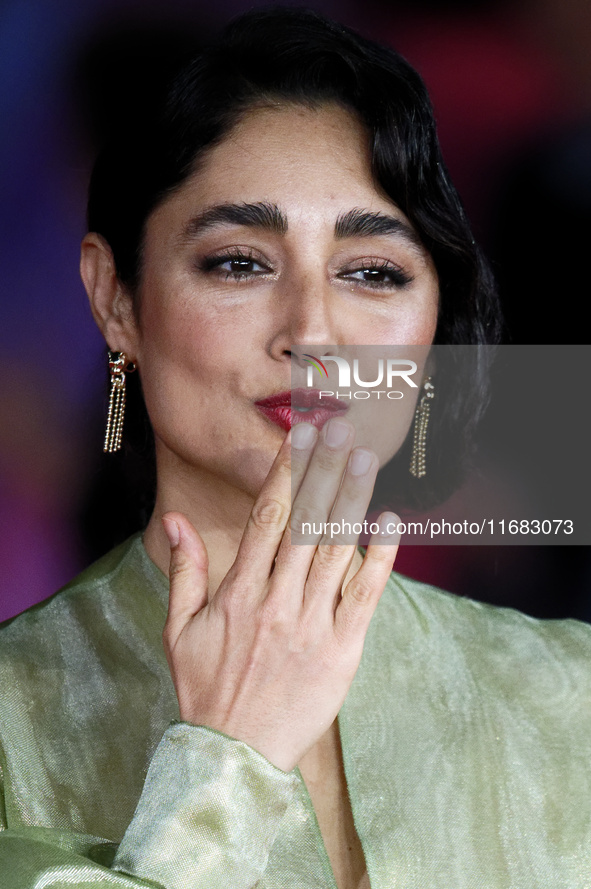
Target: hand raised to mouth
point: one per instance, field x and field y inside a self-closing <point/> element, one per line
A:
<point x="270" y="657"/>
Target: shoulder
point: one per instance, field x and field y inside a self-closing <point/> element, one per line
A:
<point x="498" y="645"/>
<point x="121" y="581"/>
<point x="466" y="619"/>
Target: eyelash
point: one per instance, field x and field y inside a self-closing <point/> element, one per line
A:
<point x="398" y="277"/>
<point x="214" y="263"/>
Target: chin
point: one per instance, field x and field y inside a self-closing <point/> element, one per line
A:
<point x="251" y="466"/>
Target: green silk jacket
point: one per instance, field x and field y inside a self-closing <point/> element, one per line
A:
<point x="466" y="741"/>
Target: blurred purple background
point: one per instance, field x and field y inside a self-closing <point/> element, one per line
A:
<point x="511" y="85"/>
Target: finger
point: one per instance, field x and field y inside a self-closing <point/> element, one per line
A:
<point x="362" y="594"/>
<point x="314" y="501"/>
<point x="346" y="519"/>
<point x="188" y="574"/>
<point x="303" y="441"/>
<point x="269" y="516"/>
<point x="337" y="546"/>
<point x="321" y="483"/>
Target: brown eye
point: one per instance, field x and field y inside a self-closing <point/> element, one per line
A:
<point x="383" y="275"/>
<point x="374" y="275"/>
<point x="239" y="265"/>
<point x="236" y="266"/>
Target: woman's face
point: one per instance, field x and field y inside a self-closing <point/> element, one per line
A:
<point x="263" y="249"/>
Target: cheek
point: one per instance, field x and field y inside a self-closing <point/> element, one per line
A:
<point x="408" y="328"/>
<point x="180" y="357"/>
<point x="196" y="393"/>
<point x="420" y="322"/>
<point x="181" y="340"/>
<point x="409" y="320"/>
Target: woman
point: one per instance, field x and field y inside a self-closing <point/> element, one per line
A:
<point x="289" y="191"/>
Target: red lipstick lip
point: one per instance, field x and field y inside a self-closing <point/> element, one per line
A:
<point x="318" y="410"/>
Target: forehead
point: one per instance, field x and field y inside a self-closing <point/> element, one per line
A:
<point x="297" y="157"/>
<point x="296" y="134"/>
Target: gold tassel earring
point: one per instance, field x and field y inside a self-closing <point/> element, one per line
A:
<point x="419" y="449"/>
<point x="118" y="367"/>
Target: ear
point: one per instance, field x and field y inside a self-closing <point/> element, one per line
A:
<point x="110" y="302"/>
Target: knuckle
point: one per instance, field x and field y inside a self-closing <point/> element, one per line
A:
<point x="343" y="542"/>
<point x="361" y="591"/>
<point x="268" y="514"/>
<point x="227" y="605"/>
<point x="333" y="553"/>
<point x="273" y="618"/>
<point x="328" y="460"/>
<point x="232" y="604"/>
<point x="304" y="519"/>
<point x="179" y="568"/>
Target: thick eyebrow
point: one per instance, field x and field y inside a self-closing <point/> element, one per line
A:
<point x="367" y="223"/>
<point x="259" y="215"/>
<point x="354" y="223"/>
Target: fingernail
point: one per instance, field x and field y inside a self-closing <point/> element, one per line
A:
<point x="173" y="532"/>
<point x="302" y="436"/>
<point x="337" y="433"/>
<point x="361" y="461"/>
<point x="388" y="523"/>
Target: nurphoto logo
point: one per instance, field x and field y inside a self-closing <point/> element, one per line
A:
<point x="390" y="371"/>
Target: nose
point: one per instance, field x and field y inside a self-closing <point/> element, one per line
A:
<point x="307" y="316"/>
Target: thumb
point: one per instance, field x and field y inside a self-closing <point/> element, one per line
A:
<point x="188" y="572"/>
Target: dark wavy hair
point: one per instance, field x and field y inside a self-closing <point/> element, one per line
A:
<point x="296" y="56"/>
